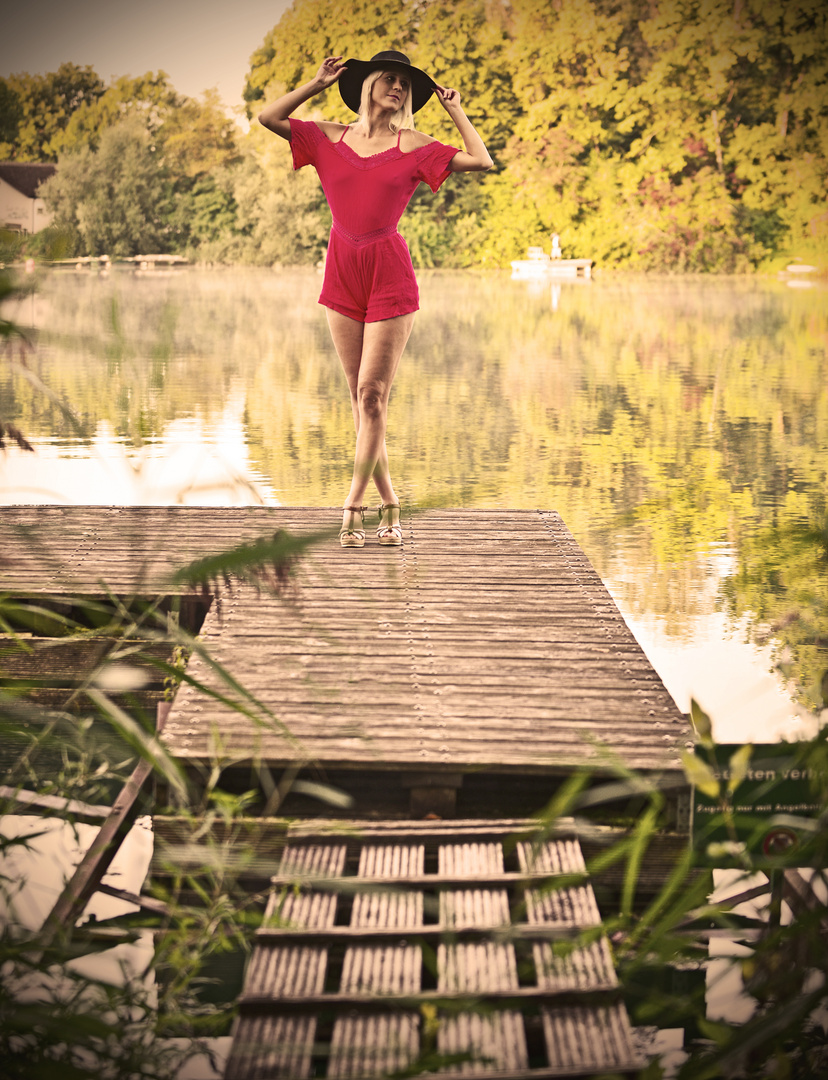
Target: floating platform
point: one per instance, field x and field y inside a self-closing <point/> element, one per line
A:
<point x="539" y="264"/>
<point x="462" y="672"/>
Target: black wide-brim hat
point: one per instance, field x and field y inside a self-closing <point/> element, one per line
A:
<point x="351" y="80"/>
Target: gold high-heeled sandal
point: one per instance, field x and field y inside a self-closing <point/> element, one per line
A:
<point x="352" y="535"/>
<point x="389" y="532"/>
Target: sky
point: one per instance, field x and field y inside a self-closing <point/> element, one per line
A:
<point x="199" y="43"/>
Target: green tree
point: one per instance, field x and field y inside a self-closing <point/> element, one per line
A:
<point x="206" y="213"/>
<point x="741" y="89"/>
<point x="779" y="159"/>
<point x="687" y="135"/>
<point x="47" y="104"/>
<point x="198" y="137"/>
<point x="200" y="151"/>
<point x="572" y="63"/>
<point x="466" y="45"/>
<point x="150" y="98"/>
<point x="113" y="199"/>
<point x="10" y="116"/>
<point x="282" y="214"/>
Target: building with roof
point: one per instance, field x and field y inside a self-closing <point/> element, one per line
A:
<point x="21" y="210"/>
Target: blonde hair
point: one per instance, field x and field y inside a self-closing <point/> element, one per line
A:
<point x="404" y="116"/>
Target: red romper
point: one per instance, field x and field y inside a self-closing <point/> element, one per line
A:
<point x="368" y="271"/>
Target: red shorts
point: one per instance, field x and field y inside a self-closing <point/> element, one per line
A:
<point x="369" y="278"/>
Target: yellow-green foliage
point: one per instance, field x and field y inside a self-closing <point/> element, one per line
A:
<point x="688" y="135"/>
<point x="684" y="136"/>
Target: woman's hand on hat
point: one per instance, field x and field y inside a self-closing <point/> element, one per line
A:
<point x="329" y="71"/>
<point x="449" y="98"/>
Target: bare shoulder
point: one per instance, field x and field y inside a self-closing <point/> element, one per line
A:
<point x="331" y="129"/>
<point x="413" y="140"/>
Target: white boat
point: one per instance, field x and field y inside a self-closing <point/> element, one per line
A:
<point x="539" y="264"/>
<point x="800" y="275"/>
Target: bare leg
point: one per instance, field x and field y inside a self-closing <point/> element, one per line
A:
<point x="370" y="354"/>
<point x="349" y="348"/>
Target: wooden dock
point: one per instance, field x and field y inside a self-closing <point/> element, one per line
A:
<point x="483" y="656"/>
<point x="467" y="673"/>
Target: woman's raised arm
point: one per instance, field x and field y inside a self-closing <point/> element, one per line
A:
<point x="275" y="116"/>
<point x="476" y="157"/>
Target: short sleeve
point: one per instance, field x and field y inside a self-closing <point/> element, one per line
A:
<point x="433" y="163"/>
<point x="304" y="140"/>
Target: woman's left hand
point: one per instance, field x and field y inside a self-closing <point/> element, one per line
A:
<point x="449" y="99"/>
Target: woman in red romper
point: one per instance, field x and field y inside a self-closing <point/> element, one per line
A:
<point x="369" y="171"/>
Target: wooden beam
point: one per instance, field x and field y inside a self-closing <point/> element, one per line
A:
<point x="595" y="995"/>
<point x="433" y="932"/>
<point x="531" y="879"/>
<point x="31" y="802"/>
<point x="97" y="860"/>
<point x="147" y="903"/>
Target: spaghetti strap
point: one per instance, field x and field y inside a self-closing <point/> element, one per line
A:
<point x="399" y="136"/>
<point x="344" y="133"/>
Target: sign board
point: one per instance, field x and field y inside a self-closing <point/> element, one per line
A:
<point x="769" y="803"/>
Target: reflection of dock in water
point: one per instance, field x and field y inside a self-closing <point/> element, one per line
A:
<point x="469" y="671"/>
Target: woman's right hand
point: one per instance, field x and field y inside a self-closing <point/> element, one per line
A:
<point x="276" y="116"/>
<point x="329" y="71"/>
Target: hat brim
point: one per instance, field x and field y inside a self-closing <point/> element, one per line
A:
<point x="351" y="80"/>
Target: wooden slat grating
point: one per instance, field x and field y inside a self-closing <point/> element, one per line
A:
<point x="486" y="642"/>
<point x="375" y="993"/>
<point x="284" y="1045"/>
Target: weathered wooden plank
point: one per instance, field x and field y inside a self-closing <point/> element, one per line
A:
<point x="69" y="662"/>
<point x="499" y="758"/>
<point x="450" y="665"/>
<point x="472" y="651"/>
<point x="569" y="722"/>
<point x="499" y="651"/>
<point x="31" y="802"/>
<point x="293" y="691"/>
<point x="437" y="882"/>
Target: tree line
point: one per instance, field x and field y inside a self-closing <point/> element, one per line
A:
<point x="667" y="135"/>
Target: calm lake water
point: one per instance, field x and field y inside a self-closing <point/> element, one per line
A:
<point x="679" y="426"/>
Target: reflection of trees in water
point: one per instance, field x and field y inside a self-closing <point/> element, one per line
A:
<point x="663" y="418"/>
<point x="782" y="581"/>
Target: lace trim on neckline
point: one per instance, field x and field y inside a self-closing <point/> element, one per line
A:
<point x="393" y="153"/>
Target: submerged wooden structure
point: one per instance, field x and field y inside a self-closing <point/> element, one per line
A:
<point x="388" y="943"/>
